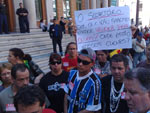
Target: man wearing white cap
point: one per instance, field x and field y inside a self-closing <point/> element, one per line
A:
<point x="83" y="92"/>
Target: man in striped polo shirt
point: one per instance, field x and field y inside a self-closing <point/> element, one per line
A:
<point x="83" y="91"/>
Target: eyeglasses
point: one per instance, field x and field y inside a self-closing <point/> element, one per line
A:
<point x="55" y="62"/>
<point x="84" y="62"/>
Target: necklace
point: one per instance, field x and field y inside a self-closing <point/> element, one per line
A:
<point x="115" y="96"/>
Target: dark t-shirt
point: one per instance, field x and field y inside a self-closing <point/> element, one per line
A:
<point x="53" y="87"/>
<point x="106" y="87"/>
<point x="21" y="10"/>
<point x="144" y="64"/>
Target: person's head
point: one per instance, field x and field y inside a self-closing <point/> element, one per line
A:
<point x="148" y="52"/>
<point x="20" y="75"/>
<point x="5" y="73"/>
<point x="119" y="65"/>
<point x="137" y="90"/>
<point x="140" y="36"/>
<point x="71" y="49"/>
<point x="62" y="18"/>
<point x="86" y="60"/>
<point x="29" y="99"/>
<point x="102" y="55"/>
<point x="15" y="55"/>
<point x="55" y="63"/>
<point x="21" y="5"/>
<point x="54" y="21"/>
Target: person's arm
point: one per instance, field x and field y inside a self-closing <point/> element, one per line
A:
<point x="142" y="45"/>
<point x="65" y="103"/>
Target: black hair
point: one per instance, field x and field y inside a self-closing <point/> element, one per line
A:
<point x="55" y="56"/>
<point x="18" y="67"/>
<point x="141" y="74"/>
<point x="17" y="52"/>
<point x="119" y="58"/>
<point x="67" y="47"/>
<point x="28" y="96"/>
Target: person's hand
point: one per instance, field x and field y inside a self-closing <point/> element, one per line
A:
<point x="38" y="78"/>
<point x="74" y="30"/>
<point x="133" y="29"/>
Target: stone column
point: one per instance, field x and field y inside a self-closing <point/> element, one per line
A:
<point x="59" y="6"/>
<point x="30" y="6"/>
<point x="93" y="4"/>
<point x="49" y="9"/>
<point x="72" y="8"/>
<point x="105" y="3"/>
<point x="16" y="6"/>
<point x="86" y="4"/>
<point x="98" y="4"/>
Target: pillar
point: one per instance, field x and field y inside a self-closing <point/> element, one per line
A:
<point x="72" y="8"/>
<point x="16" y="6"/>
<point x="49" y="9"/>
<point x="105" y="3"/>
<point x="59" y="6"/>
<point x="93" y="4"/>
<point x="98" y="4"/>
<point x="86" y="4"/>
<point x="30" y="6"/>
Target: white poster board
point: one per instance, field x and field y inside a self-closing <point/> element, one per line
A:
<point x="103" y="28"/>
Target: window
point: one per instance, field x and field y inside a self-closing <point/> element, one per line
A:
<point x="54" y="8"/>
<point x="66" y="8"/>
<point x="79" y="4"/>
<point x="38" y="9"/>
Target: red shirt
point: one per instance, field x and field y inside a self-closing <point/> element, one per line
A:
<point x="69" y="64"/>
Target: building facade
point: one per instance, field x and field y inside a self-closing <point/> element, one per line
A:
<point x="48" y="9"/>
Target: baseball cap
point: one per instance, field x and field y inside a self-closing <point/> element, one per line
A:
<point x="89" y="53"/>
<point x="140" y="34"/>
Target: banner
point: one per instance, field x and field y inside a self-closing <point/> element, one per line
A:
<point x="103" y="28"/>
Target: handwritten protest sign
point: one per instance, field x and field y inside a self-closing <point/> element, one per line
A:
<point x="104" y="28"/>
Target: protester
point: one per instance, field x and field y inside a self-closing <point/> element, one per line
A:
<point x="53" y="83"/>
<point x="23" y="19"/>
<point x="20" y="77"/>
<point x="126" y="52"/>
<point x="43" y="25"/>
<point x="139" y="45"/>
<point x="3" y="18"/>
<point x="83" y="91"/>
<point x="137" y="90"/>
<point x="113" y="86"/>
<point x="56" y="36"/>
<point x="102" y="65"/>
<point x="17" y="56"/>
<point x="30" y="99"/>
<point x="70" y="26"/>
<point x="146" y="63"/>
<point x="5" y="75"/>
<point x="70" y="59"/>
<point x="62" y="24"/>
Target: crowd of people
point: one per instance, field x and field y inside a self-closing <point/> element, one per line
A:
<point x="87" y="81"/>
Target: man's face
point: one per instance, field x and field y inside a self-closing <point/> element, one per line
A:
<point x="22" y="79"/>
<point x="82" y="66"/>
<point x="36" y="108"/>
<point x="56" y="66"/>
<point x="137" y="99"/>
<point x="21" y="5"/>
<point x="118" y="70"/>
<point x="101" y="56"/>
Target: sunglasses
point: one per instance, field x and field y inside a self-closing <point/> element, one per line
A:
<point x="55" y="62"/>
<point x="84" y="62"/>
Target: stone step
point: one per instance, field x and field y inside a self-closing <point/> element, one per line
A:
<point x="37" y="44"/>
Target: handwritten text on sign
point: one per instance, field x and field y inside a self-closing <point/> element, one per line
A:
<point x="104" y="28"/>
